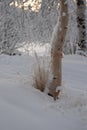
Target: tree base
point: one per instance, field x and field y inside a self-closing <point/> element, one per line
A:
<point x="55" y="95"/>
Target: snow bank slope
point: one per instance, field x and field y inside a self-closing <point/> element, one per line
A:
<point x="24" y="108"/>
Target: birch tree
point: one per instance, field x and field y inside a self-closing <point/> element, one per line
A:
<point x="58" y="39"/>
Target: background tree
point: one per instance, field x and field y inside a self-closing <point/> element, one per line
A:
<point x="81" y="24"/>
<point x="9" y="31"/>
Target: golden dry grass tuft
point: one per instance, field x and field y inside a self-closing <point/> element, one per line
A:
<point x="41" y="74"/>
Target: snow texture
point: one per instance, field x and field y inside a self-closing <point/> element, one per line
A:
<point x="22" y="107"/>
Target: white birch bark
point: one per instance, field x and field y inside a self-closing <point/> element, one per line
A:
<point x="58" y="39"/>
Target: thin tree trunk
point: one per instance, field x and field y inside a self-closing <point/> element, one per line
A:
<point x="81" y="9"/>
<point x="58" y="39"/>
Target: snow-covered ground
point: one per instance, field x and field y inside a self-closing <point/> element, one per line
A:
<point x="22" y="107"/>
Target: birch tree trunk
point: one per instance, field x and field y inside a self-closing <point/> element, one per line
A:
<point x="81" y="9"/>
<point x="58" y="39"/>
